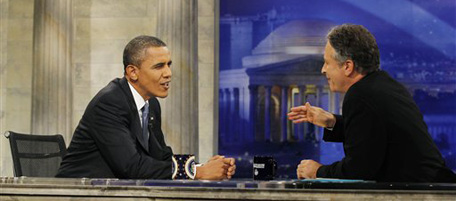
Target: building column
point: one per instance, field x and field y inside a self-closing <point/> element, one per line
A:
<point x="236" y="116"/>
<point x="332" y="102"/>
<point x="267" y="113"/>
<point x="6" y="163"/>
<point x="3" y="58"/>
<point x="208" y="132"/>
<point x="222" y="114"/>
<point x="283" y="113"/>
<point x="338" y="103"/>
<point x="52" y="75"/>
<point x="243" y="114"/>
<point x="177" y="27"/>
<point x="301" y="127"/>
<point x="228" y="120"/>
<point x="319" y="103"/>
<point x="253" y="92"/>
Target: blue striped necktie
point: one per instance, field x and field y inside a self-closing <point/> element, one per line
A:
<point x="145" y="123"/>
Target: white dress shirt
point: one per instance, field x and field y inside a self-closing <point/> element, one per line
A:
<point x="139" y="101"/>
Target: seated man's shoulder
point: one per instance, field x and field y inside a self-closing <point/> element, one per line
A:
<point x="112" y="87"/>
<point x="364" y="92"/>
<point x="110" y="94"/>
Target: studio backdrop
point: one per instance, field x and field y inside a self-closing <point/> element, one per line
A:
<point x="271" y="54"/>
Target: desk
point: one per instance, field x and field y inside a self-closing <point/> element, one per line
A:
<point x="112" y="189"/>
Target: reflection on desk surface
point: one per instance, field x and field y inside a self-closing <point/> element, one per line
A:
<point x="320" y="183"/>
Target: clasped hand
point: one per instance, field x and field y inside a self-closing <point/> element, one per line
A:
<point x="216" y="168"/>
<point x="307" y="169"/>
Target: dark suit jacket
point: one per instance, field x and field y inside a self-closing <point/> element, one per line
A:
<point x="108" y="141"/>
<point x="384" y="136"/>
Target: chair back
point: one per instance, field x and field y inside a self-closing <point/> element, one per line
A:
<point x="36" y="155"/>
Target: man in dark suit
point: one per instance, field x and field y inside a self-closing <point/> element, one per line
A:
<point x="120" y="136"/>
<point x="381" y="127"/>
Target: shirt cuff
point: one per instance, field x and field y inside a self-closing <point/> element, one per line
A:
<point x="194" y="171"/>
<point x="332" y="128"/>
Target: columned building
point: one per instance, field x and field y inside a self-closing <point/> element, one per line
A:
<point x="283" y="71"/>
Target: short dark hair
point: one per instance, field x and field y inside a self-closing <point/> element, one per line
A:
<point x="355" y="42"/>
<point x="134" y="51"/>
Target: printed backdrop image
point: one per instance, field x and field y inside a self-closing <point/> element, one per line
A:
<point x="271" y="54"/>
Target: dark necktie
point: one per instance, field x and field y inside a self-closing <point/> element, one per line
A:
<point x="145" y="123"/>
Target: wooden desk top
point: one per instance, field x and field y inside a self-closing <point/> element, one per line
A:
<point x="113" y="189"/>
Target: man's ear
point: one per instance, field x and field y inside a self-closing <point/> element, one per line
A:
<point x="132" y="72"/>
<point x="349" y="67"/>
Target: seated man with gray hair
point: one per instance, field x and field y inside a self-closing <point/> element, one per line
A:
<point x="382" y="129"/>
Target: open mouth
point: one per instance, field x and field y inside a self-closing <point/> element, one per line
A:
<point x="166" y="84"/>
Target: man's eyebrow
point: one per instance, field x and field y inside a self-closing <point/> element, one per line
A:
<point x="159" y="64"/>
<point x="162" y="64"/>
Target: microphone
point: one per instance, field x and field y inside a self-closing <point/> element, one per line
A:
<point x="151" y="122"/>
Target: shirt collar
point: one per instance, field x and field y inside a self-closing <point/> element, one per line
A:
<point x="139" y="101"/>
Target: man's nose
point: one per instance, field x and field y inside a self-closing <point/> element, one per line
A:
<point x="323" y="71"/>
<point x="167" y="73"/>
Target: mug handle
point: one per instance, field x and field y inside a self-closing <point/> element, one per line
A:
<point x="275" y="168"/>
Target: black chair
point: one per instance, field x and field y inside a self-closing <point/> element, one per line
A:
<point x="36" y="155"/>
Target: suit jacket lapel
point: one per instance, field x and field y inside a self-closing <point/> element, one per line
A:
<point x="136" y="122"/>
<point x="153" y="140"/>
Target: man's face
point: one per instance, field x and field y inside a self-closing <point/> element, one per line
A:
<point x="333" y="71"/>
<point x="154" y="73"/>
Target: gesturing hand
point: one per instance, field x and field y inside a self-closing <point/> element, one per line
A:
<point x="312" y="114"/>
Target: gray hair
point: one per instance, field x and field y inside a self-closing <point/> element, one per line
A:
<point x="355" y="42"/>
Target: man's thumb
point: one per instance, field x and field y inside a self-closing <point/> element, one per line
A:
<point x="308" y="106"/>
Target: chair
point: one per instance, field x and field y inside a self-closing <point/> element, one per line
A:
<point x="36" y="155"/>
